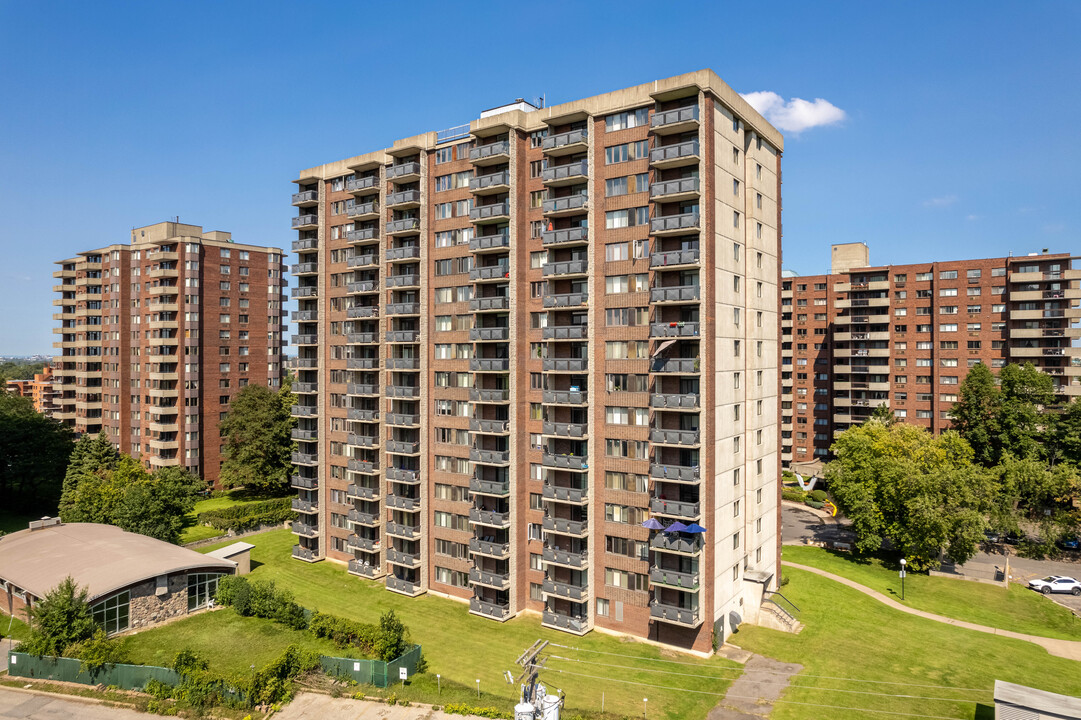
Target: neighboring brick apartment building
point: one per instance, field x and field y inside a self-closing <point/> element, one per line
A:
<point x="906" y="335"/>
<point x="39" y="390"/>
<point x="522" y="338"/>
<point x="156" y="336"/>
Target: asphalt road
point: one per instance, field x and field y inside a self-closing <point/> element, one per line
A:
<point x="15" y="705"/>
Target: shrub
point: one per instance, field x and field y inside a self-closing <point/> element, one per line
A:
<point x="61" y="619"/>
<point x="98" y="651"/>
<point x="793" y="495"/>
<point x="187" y="662"/>
<point x="249" y="515"/>
<point x="157" y="689"/>
<point x="819" y="495"/>
<point x="815" y="504"/>
<point x="393" y="640"/>
<point x="344" y="633"/>
<point x="484" y="712"/>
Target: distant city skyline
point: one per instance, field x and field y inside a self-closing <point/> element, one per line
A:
<point x="927" y="142"/>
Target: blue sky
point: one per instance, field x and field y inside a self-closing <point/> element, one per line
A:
<point x="959" y="136"/>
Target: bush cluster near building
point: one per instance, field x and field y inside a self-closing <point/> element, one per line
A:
<point x="248" y="516"/>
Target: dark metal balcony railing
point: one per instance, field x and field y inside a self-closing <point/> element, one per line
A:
<point x="489" y="517"/>
<point x="402" y="170"/>
<point x="489" y="609"/>
<point x="403" y="253"/>
<point x="565" y="526"/>
<point x="565" y="236"/>
<point x="569" y="267"/>
<point x="490" y="333"/>
<point x="674" y="437"/>
<point x="676" y="508"/>
<point x="492" y="549"/>
<point x="675" y="293"/>
<point x="576" y="593"/>
<point x="564" y="365"/>
<point x="488" y="212"/>
<point x="489" y="457"/>
<point x="481" y="152"/>
<point x="403" y="225"/>
<point x="671" y="223"/>
<point x="672" y="117"/>
<point x="564" y="494"/>
<point x="569" y="462"/>
<point x="670" y="153"/>
<point x="355" y="184"/>
<point x="306" y="196"/>
<point x="674" y="400"/>
<point x="403" y="197"/>
<point x="561" y="429"/>
<point x="674" y="329"/>
<point x="573" y="137"/>
<point x="482" y="182"/>
<point x="683" y="473"/>
<point x="566" y="622"/>
<point x="489" y="364"/>
<point x="489" y="303"/>
<point x="571" y="171"/>
<point x="565" y="300"/>
<point x="564" y="397"/>
<point x="489" y="579"/>
<point x="672" y="613"/>
<point x="659" y="260"/>
<point x="566" y="204"/>
<point x="674" y="187"/>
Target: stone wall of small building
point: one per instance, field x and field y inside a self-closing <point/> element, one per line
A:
<point x="148" y="608"/>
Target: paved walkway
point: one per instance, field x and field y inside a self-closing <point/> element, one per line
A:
<point x="17" y="704"/>
<point x="1070" y="649"/>
<point x="752" y="694"/>
<point x="311" y="706"/>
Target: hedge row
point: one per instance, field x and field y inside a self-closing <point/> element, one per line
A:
<point x="249" y="515"/>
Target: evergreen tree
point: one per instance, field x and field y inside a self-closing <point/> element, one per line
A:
<point x="91" y="458"/>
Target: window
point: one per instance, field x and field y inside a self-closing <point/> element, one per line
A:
<point x="615" y="219"/>
<point x="624" y="579"/>
<point x="947" y="275"/>
<point x="924" y="276"/>
<point x="112" y="613"/>
<point x="626" y="120"/>
<point x="201" y="588"/>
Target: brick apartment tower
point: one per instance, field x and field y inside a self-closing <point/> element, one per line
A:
<point x="521" y="338"/>
<point x="906" y="335"/>
<point x="156" y="336"/>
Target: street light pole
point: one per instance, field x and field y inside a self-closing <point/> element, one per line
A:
<point x="903" y="563"/>
<point x="645" y="706"/>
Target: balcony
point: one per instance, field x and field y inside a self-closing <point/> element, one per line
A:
<point x="490" y="518"/>
<point x="403" y="226"/>
<point x="401" y="475"/>
<point x="362" y="466"/>
<point x="305" y="506"/>
<point x="364" y="338"/>
<point x="489" y="184"/>
<point x="674" y="224"/>
<point x="310" y="435"/>
<point x="489" y="304"/>
<point x="570" y="174"/>
<point x="403" y="363"/>
<point x="305" y="530"/>
<point x="567" y="236"/>
<point x="689" y="438"/>
<point x="564" y="397"/>
<point x="404" y="280"/>
<point x="411" y="252"/>
<point x="302" y="553"/>
<point x="306" y="316"/>
<point x="499" y="581"/>
<point x="403" y="308"/>
<point x="673" y="543"/>
<point x="361" y="389"/>
<point x="305" y="459"/>
<point x="675" y="508"/>
<point x="361" y="235"/>
<point x="305" y="244"/>
<point x="306" y="197"/>
<point x="489" y="487"/>
<point x="675" y="473"/>
<point x="675" y="190"/>
<point x="403" y="336"/>
<point x="571" y="365"/>
<point x="576" y="593"/>
<point x="363" y="569"/>
<point x="305" y="388"/>
<point x="362" y="414"/>
<point x="674" y="329"/>
<point x="674" y="401"/>
<point x="489" y="548"/>
<point x="571" y="267"/>
<point x="305" y="340"/>
<point x="673" y="614"/>
<point x="489" y="396"/>
<point x="404" y="198"/>
<point x="491" y="154"/>
<point x="362" y="363"/>
<point x="566" y="462"/>
<point x="560" y="429"/>
<point x="673" y="259"/>
<point x="367" y="544"/>
<point x="490" y="272"/>
<point x="303" y="483"/>
<point x="565" y="332"/>
<point x="362" y="492"/>
<point x="403" y="503"/>
<point x="362" y="184"/>
<point x="489" y="334"/>
<point x="362" y="210"/>
<point x="489" y="427"/>
<point x="490" y="213"/>
<point x="499" y="241"/>
<point x="678" y="120"/>
<point x="404" y="587"/>
<point x="404" y="172"/>
<point x="566" y="143"/>
<point x="568" y="205"/>
<point x="496" y="611"/>
<point x="574" y="496"/>
<point x="403" y="419"/>
<point x="409" y="532"/>
<point x="489" y="364"/>
<point x="397" y="557"/>
<point x="307" y="291"/>
<point x="565" y="300"/>
<point x="563" y="526"/>
<point x="362" y="311"/>
<point x="490" y="457"/>
<point x="577" y="625"/>
<point x="305" y="222"/>
<point x="677" y="155"/>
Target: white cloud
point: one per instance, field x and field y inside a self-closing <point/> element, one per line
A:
<point x="940" y="202"/>
<point x="972" y="217"/>
<point x="795" y="115"/>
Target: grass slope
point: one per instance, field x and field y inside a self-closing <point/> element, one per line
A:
<point x="1017" y="608"/>
<point x="194" y="532"/>
<point x="462" y="647"/>
<point x="849" y="635"/>
<point x="231" y="643"/>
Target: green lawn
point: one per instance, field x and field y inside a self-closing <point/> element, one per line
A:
<point x="11" y="521"/>
<point x="462" y="647"/>
<point x="849" y="635"/>
<point x="231" y="643"/>
<point x="193" y="532"/>
<point x="1017" y="608"/>
<point x="13" y="628"/>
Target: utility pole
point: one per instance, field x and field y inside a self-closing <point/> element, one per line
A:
<point x="531" y="663"/>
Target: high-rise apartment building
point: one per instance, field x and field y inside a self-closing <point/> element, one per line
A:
<point x="906" y="336"/>
<point x="522" y="338"/>
<point x="157" y="335"/>
<point x="39" y="389"/>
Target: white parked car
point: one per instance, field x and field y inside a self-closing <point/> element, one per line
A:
<point x="1056" y="584"/>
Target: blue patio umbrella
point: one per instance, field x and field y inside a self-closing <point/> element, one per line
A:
<point x="694" y="528"/>
<point x="652" y="524"/>
<point x="677" y="526"/>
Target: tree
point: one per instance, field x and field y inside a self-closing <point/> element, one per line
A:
<point x="923" y="493"/>
<point x="59" y="620"/>
<point x="393" y="638"/>
<point x="115" y="489"/>
<point x="1031" y="495"/>
<point x="1066" y="434"/>
<point x="882" y="412"/>
<point x="975" y="415"/>
<point x="258" y="440"/>
<point x="34" y="452"/>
